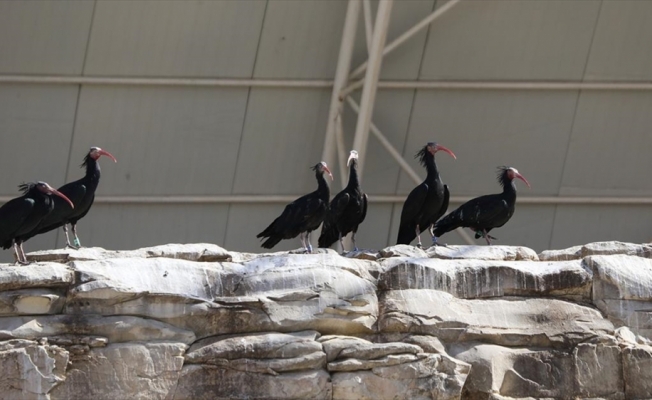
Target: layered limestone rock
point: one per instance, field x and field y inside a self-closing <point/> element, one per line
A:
<point x="199" y="322"/>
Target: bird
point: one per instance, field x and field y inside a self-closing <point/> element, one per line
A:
<point x="484" y="213"/>
<point x="427" y="202"/>
<point x="302" y="216"/>
<point x="347" y="210"/>
<point x="21" y="215"/>
<point x="82" y="194"/>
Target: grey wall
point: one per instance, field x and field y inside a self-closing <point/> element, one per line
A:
<point x="220" y="141"/>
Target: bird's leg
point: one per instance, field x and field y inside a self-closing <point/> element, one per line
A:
<point x="434" y="238"/>
<point x="355" y="246"/>
<point x="77" y="243"/>
<point x="486" y="236"/>
<point x="22" y="252"/>
<point x="418" y="232"/>
<point x="309" y="246"/>
<point x="301" y="239"/>
<point x="16" y="253"/>
<point x="342" y="243"/>
<point x="65" y="230"/>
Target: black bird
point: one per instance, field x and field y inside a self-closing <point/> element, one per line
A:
<point x="427" y="202"/>
<point x="484" y="213"/>
<point x="302" y="216"/>
<point x="347" y="210"/>
<point x="21" y="215"/>
<point x="82" y="194"/>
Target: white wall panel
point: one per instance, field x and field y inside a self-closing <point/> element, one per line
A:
<point x="580" y="224"/>
<point x="175" y="38"/>
<point x="486" y="129"/>
<point x="36" y="123"/>
<point x="44" y="37"/>
<point x="621" y="48"/>
<point x="167" y="140"/>
<point x="511" y="40"/>
<point x="133" y="226"/>
<point x="609" y="151"/>
<point x="300" y="39"/>
<point x="282" y="140"/>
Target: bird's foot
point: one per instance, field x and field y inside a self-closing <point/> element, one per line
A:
<point x="309" y="249"/>
<point x="419" y="245"/>
<point x="77" y="243"/>
<point x="70" y="246"/>
<point x="435" y="243"/>
<point x="20" y="262"/>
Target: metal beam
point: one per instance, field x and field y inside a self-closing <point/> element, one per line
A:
<point x="405" y="36"/>
<point x="321" y="84"/>
<point x="376" y="199"/>
<point x="109" y="80"/>
<point x="341" y="78"/>
<point x="368" y="23"/>
<point x="387" y="145"/>
<point x="368" y="96"/>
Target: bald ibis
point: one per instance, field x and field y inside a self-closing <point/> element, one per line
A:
<point x="82" y="194"/>
<point x="427" y="202"/>
<point x="347" y="209"/>
<point x="484" y="213"/>
<point x="21" y="215"/>
<point x="302" y="216"/>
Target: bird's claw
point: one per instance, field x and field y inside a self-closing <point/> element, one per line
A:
<point x="418" y="245"/>
<point x="23" y="262"/>
<point x="70" y="246"/>
<point x="439" y="244"/>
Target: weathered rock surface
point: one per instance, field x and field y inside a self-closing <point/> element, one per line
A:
<point x="472" y="279"/>
<point x="503" y="253"/>
<point x="198" y="322"/>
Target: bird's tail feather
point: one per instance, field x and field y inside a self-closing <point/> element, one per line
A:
<point x="447" y="224"/>
<point x="271" y="242"/>
<point x="329" y="235"/>
<point x="406" y="235"/>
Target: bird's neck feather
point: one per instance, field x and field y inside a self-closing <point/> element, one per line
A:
<point x="431" y="168"/>
<point x="353" y="176"/>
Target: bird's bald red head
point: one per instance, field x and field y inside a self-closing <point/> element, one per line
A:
<point x="47" y="189"/>
<point x="324" y="168"/>
<point x="513" y="173"/>
<point x="97" y="152"/>
<point x="435" y="147"/>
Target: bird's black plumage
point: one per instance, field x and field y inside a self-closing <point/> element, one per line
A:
<point x="347" y="210"/>
<point x="427" y="202"/>
<point x="302" y="216"/>
<point x="21" y="215"/>
<point x="484" y="213"/>
<point x="81" y="192"/>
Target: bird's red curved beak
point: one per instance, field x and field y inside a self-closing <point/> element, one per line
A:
<point x="329" y="172"/>
<point x="63" y="196"/>
<point x="106" y="153"/>
<point x="446" y="150"/>
<point x="521" y="177"/>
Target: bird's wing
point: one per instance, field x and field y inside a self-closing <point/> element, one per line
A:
<point x="337" y="207"/>
<point x="444" y="204"/>
<point x="413" y="203"/>
<point x="75" y="191"/>
<point x="364" y="207"/>
<point x="13" y="214"/>
<point x="483" y="210"/>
